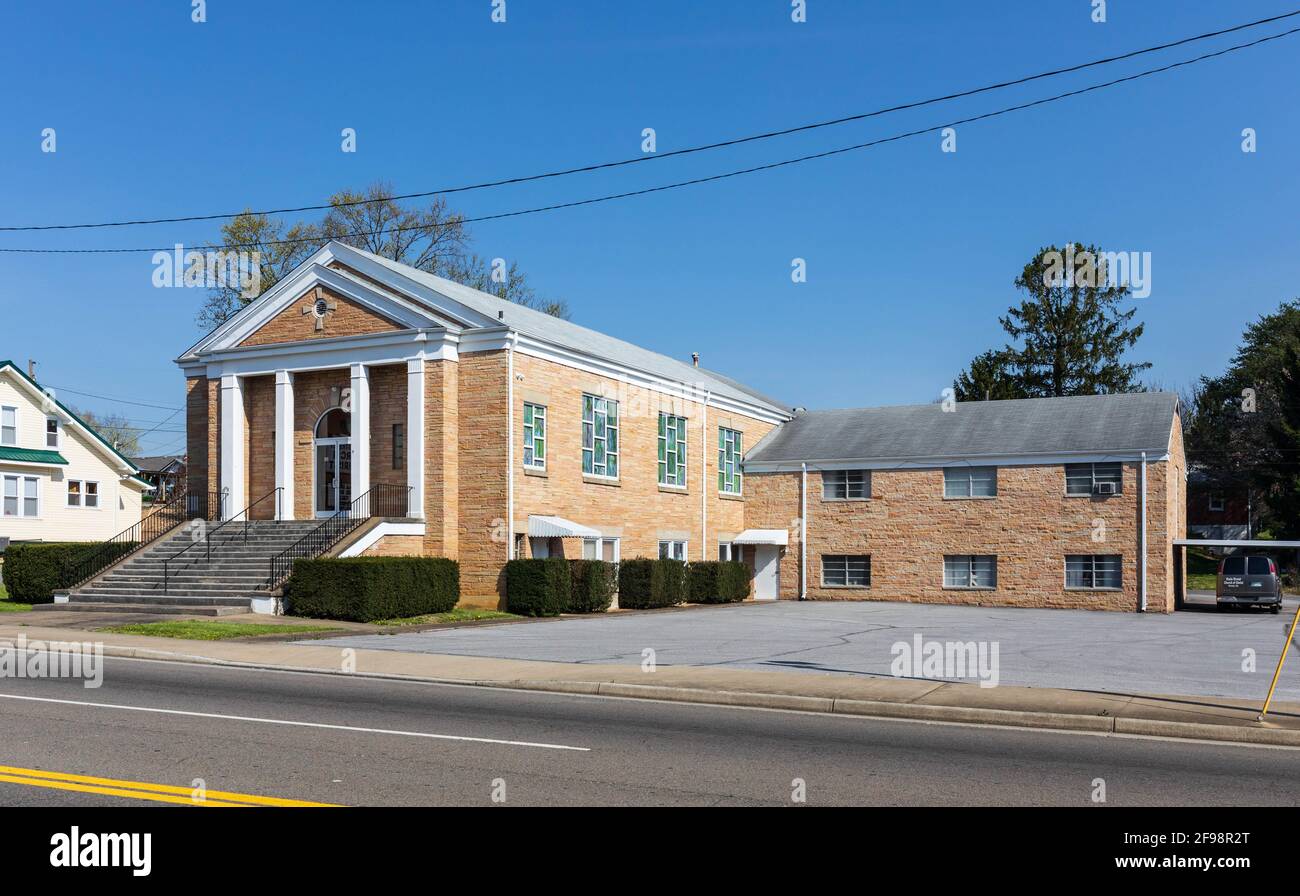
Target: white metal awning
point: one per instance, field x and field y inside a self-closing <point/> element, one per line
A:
<point x="763" y="536"/>
<point x="558" y="527"/>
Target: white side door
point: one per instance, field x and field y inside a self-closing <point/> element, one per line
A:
<point x="766" y="572"/>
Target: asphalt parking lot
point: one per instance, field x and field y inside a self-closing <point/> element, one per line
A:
<point x="1197" y="651"/>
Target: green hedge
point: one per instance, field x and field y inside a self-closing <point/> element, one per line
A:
<point x="34" y="571"/>
<point x="363" y="589"/>
<point x="537" y="587"/>
<point x="648" y="584"/>
<point x="593" y="585"/>
<point x="718" y="582"/>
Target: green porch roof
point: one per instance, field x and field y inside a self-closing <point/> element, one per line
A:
<point x="31" y="456"/>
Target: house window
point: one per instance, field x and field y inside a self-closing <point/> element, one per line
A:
<point x="1092" y="572"/>
<point x="1216" y="502"/>
<point x="970" y="571"/>
<point x="1094" y="479"/>
<point x="970" y="482"/>
<point x="8" y="426"/>
<point x="729" y="551"/>
<point x="399" y="446"/>
<point x="846" y="485"/>
<point x="672" y="550"/>
<point x="730" y="451"/>
<point x="535" y="437"/>
<point x="600" y="549"/>
<point x="82" y="493"/>
<point x="51" y="432"/>
<point x="599" y="436"/>
<point x="672" y="450"/>
<point x="21" y="496"/>
<point x="846" y="570"/>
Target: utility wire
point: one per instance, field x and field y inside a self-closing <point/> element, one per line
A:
<point x="163" y="407"/>
<point x="695" y="181"/>
<point x="678" y="152"/>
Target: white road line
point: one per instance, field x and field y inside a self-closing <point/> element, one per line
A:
<point x="214" y="715"/>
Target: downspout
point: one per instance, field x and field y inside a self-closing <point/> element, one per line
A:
<point x="803" y="532"/>
<point x="1142" y="538"/>
<point x="510" y="448"/>
<point x="704" y="481"/>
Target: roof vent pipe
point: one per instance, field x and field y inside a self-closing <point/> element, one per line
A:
<point x="695" y="358"/>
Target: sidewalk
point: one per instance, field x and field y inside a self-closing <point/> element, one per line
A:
<point x="1207" y="718"/>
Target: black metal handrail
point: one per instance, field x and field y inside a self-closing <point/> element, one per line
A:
<point x="183" y="505"/>
<point x="383" y="500"/>
<point x="206" y="538"/>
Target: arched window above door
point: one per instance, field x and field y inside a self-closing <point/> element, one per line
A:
<point x="334" y="424"/>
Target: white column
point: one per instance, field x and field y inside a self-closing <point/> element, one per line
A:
<point x="284" y="441"/>
<point x="415" y="435"/>
<point x="360" y="400"/>
<point x="232" y="445"/>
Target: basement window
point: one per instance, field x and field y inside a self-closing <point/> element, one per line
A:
<point x="1093" y="572"/>
<point x="977" y="571"/>
<point x="846" y="570"/>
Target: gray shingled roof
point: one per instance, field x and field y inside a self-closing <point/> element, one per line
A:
<point x="572" y="336"/>
<point x="1127" y="423"/>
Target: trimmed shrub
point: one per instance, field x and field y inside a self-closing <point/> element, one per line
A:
<point x="649" y="584"/>
<point x="593" y="585"/>
<point x="537" y="587"/>
<point x="718" y="582"/>
<point x="363" y="589"/>
<point x="34" y="571"/>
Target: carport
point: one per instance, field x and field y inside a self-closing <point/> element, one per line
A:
<point x="1180" y="544"/>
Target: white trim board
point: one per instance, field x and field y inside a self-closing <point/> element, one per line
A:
<point x="364" y="543"/>
<point x="934" y="463"/>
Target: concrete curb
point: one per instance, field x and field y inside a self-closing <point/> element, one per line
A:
<point x="1054" y="721"/>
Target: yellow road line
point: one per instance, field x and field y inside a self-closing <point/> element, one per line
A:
<point x="166" y="793"/>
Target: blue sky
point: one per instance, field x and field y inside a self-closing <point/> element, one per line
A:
<point x="911" y="252"/>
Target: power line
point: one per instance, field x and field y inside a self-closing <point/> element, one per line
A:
<point x="767" y="135"/>
<point x="694" y="181"/>
<point x="163" y="407"/>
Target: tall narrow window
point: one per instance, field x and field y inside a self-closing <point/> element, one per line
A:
<point x="51" y="432"/>
<point x="399" y="446"/>
<point x="599" y="436"/>
<point x="534" y="436"/>
<point x="8" y="426"/>
<point x="730" y="451"/>
<point x="672" y="450"/>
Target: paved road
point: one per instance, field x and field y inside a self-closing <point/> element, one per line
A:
<point x="357" y="741"/>
<point x="1191" y="652"/>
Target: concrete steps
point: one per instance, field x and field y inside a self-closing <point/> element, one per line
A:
<point x="176" y="576"/>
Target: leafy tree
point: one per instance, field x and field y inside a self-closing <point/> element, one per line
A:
<point x="115" y="429"/>
<point x="432" y="238"/>
<point x="1245" y="426"/>
<point x="989" y="378"/>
